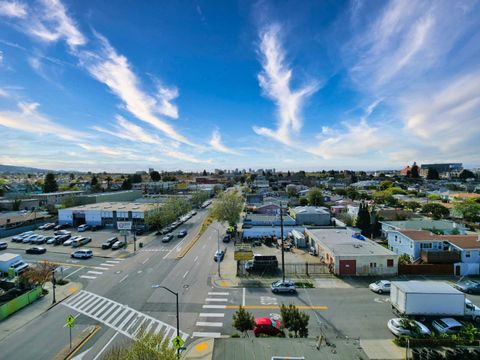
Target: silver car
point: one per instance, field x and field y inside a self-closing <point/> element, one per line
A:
<point x="286" y="286"/>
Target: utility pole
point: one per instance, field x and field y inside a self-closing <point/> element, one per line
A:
<point x="281" y="242"/>
<point x="178" y="318"/>
<point x="54" y="282"/>
<point x="218" y="250"/>
<point x="134" y="238"/>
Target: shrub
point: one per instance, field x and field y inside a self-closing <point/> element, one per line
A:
<point x="62" y="282"/>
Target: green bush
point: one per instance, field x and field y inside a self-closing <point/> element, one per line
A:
<point x="62" y="282"/>
<point x="235" y="335"/>
<point x="304" y="284"/>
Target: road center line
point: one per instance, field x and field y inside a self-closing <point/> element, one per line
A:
<point x="73" y="272"/>
<point x="185" y="274"/>
<point x="123" y="278"/>
<point x="106" y="345"/>
<point x="196" y="258"/>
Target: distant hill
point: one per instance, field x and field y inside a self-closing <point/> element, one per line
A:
<point x="20" y="169"/>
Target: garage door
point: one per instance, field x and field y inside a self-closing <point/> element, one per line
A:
<point x="348" y="267"/>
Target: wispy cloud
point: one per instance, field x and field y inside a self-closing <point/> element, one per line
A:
<point x="275" y="82"/>
<point x="13" y="9"/>
<point x="216" y="143"/>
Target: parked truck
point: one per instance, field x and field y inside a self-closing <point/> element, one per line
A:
<point x="431" y="298"/>
<point x="12" y="261"/>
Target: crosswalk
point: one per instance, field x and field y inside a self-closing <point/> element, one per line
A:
<point x="95" y="271"/>
<point x="211" y="319"/>
<point x="119" y="317"/>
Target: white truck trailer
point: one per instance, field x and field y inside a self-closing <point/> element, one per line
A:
<point x="13" y="261"/>
<point x="431" y="298"/>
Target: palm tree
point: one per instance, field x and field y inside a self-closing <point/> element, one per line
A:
<point x="109" y="180"/>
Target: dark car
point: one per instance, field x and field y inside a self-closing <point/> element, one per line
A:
<point x="109" y="243"/>
<point x="164" y="231"/>
<point x="267" y="326"/>
<point x="36" y="250"/>
<point x="226" y="239"/>
<point x="3" y="245"/>
<point x="60" y="239"/>
<point x="96" y="227"/>
<point x="62" y="232"/>
<point x="167" y="238"/>
<point x="139" y="232"/>
<point x="468" y="286"/>
<point x="182" y="233"/>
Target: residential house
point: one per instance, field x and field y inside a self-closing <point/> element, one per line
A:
<point x="443" y="226"/>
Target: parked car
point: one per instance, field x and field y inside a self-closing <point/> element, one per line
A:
<point x="17" y="238"/>
<point x="109" y="243"/>
<point x="81" y="241"/>
<point x="96" y="227"/>
<point x="287" y="286"/>
<point x="51" y="239"/>
<point x="468" y="286"/>
<point x="182" y="233"/>
<point x="62" y="232"/>
<point x="61" y="226"/>
<point x="28" y="239"/>
<point x="404" y="326"/>
<point x="40" y="239"/>
<point x="83" y="228"/>
<point x="226" y="239"/>
<point x="447" y="326"/>
<point x="3" y="245"/>
<point x="46" y="226"/>
<point x="139" y="232"/>
<point x="82" y="254"/>
<point x="164" y="231"/>
<point x="267" y="326"/>
<point x="60" y="239"/>
<point x="167" y="238"/>
<point x="380" y="286"/>
<point x="36" y="250"/>
<point x="219" y="255"/>
<point x="70" y="241"/>
<point x="118" y="245"/>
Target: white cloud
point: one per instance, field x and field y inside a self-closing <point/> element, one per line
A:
<point x="28" y="119"/>
<point x="13" y="9"/>
<point x="216" y="143"/>
<point x="275" y="83"/>
<point x="114" y="70"/>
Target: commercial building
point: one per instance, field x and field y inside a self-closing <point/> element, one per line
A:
<point x="106" y="214"/>
<point x="349" y="253"/>
<point x="311" y="215"/>
<point x="55" y="198"/>
<point x="126" y="195"/>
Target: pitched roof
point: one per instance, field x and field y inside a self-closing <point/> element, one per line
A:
<point x="462" y="241"/>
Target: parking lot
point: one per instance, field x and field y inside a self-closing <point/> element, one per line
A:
<point x="98" y="237"/>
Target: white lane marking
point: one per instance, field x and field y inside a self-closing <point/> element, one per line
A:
<point x="144" y="261"/>
<point x="139" y="271"/>
<point x="100" y="268"/>
<point x="106" y="345"/>
<point x="110" y="265"/>
<point x="112" y="261"/>
<point x="209" y="324"/>
<point x="219" y="293"/>
<point x="123" y="278"/>
<point x="119" y="259"/>
<point x="216" y="299"/>
<point x="214" y="306"/>
<point x="88" y="277"/>
<point x="196" y="258"/>
<point x="206" y="334"/>
<point x="75" y="316"/>
<point x="185" y="274"/>
<point x="180" y="243"/>
<point x="95" y="272"/>
<point x="73" y="272"/>
<point x="210" y="315"/>
<point x="243" y="297"/>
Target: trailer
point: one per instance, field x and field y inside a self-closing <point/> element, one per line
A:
<point x="12" y="261"/>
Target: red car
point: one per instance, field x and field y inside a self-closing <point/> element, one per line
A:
<point x="267" y="326"/>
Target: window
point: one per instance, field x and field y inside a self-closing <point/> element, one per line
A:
<point x="373" y="265"/>
<point x="396" y="237"/>
<point x="389" y="262"/>
<point x="467" y="253"/>
<point x="425" y="245"/>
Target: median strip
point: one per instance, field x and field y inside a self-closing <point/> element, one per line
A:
<point x="301" y="307"/>
<point x="205" y="224"/>
<point x="78" y="342"/>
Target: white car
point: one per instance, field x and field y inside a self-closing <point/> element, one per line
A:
<point x="70" y="241"/>
<point x="447" y="326"/>
<point x="380" y="286"/>
<point x="83" y="227"/>
<point x="407" y="327"/>
<point x="40" y="239"/>
<point x="29" y="239"/>
<point x="82" y="254"/>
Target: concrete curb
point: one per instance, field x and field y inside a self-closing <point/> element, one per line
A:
<point x="194" y="240"/>
<point x="77" y="343"/>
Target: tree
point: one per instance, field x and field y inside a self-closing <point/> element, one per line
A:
<point x="155" y="176"/>
<point x="243" y="320"/>
<point x="432" y="174"/>
<point x="39" y="274"/>
<point x="294" y="320"/>
<point x="136" y="178"/>
<point x="16" y="204"/>
<point x="167" y="212"/>
<point x="303" y="201"/>
<point x="146" y="346"/>
<point x="93" y="181"/>
<point x="199" y="197"/>
<point x="470" y="210"/>
<point x="50" y="184"/>
<point x="352" y="193"/>
<point x="412" y="205"/>
<point x="384" y="185"/>
<point x="466" y="174"/>
<point x="227" y="207"/>
<point x="109" y="181"/>
<point x="292" y="191"/>
<point x="404" y="259"/>
<point x="414" y="171"/>
<point x="363" y="218"/>
<point x="315" y="197"/>
<point x="127" y="183"/>
<point x="437" y="211"/>
<point x="204" y="173"/>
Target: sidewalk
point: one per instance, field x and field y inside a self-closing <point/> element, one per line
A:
<point x="37" y="308"/>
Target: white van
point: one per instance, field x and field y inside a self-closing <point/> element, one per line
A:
<point x="82" y="254"/>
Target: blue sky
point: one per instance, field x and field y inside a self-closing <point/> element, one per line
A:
<point x="127" y="85"/>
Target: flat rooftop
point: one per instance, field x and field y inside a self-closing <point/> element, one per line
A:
<point x="435" y="287"/>
<point x="115" y="206"/>
<point x="344" y="242"/>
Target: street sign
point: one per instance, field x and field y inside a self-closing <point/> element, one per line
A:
<point x="124" y="225"/>
<point x="177" y="342"/>
<point x="243" y="252"/>
<point x="70" y="320"/>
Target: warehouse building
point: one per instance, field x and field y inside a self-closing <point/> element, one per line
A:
<point x="95" y="198"/>
<point x="349" y="253"/>
<point x="311" y="215"/>
<point x="106" y="214"/>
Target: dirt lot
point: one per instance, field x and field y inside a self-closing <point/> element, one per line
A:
<point x="98" y="237"/>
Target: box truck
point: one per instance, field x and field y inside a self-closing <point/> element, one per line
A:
<point x="13" y="261"/>
<point x="431" y="298"/>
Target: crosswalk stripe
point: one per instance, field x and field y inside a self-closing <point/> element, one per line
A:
<point x="157" y="330"/>
<point x="120" y="308"/>
<point x="216" y="299"/>
<point x="99" y="268"/>
<point x="93" y="304"/>
<point x="95" y="272"/>
<point x="214" y="306"/>
<point x="104" y="264"/>
<point x="206" y="334"/>
<point x="88" y="277"/>
<point x="112" y="261"/>
<point x="211" y="315"/>
<point x="209" y="324"/>
<point x="127" y="319"/>
<point x="85" y="298"/>
<point x="119" y="259"/>
<point x="219" y="293"/>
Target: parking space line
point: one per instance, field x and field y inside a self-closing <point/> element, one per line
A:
<point x="144" y="261"/>
<point x="100" y="268"/>
<point x="110" y="265"/>
<point x="243" y="297"/>
<point x="184" y="275"/>
<point x="113" y="261"/>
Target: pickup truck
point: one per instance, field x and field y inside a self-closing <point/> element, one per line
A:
<point x="12" y="261"/>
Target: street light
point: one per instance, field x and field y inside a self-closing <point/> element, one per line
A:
<point x="281" y="242"/>
<point x="54" y="282"/>
<point x="218" y="249"/>
<point x="156" y="286"/>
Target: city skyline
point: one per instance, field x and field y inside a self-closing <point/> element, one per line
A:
<point x="196" y="85"/>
